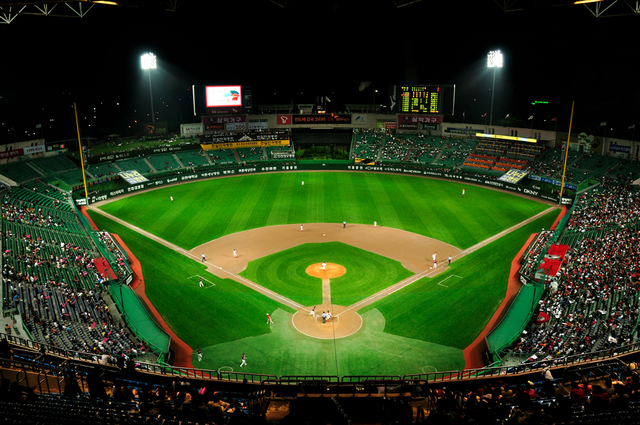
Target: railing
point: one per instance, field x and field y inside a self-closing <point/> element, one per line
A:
<point x="76" y="358"/>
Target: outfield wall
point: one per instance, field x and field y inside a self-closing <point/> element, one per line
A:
<point x="293" y="167"/>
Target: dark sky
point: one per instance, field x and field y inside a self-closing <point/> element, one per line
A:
<point x="311" y="48"/>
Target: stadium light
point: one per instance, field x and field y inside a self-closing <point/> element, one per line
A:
<point x="494" y="60"/>
<point x="148" y="61"/>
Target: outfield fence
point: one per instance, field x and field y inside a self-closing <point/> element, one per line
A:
<point x="229" y="170"/>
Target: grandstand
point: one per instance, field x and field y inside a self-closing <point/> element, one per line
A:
<point x="53" y="286"/>
<point x="20" y="172"/>
<point x="140" y="165"/>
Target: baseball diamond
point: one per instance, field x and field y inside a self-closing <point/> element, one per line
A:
<point x="389" y="315"/>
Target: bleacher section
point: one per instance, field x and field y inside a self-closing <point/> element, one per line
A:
<point x="501" y="155"/>
<point x="140" y="165"/>
<point x="366" y="144"/>
<point x="54" y="164"/>
<point x="592" y="301"/>
<point x="50" y="277"/>
<point x="250" y="154"/>
<point x="413" y="148"/>
<point x="19" y="172"/>
<point x="164" y="162"/>
<point x="222" y="156"/>
<point x="624" y="171"/>
<point x="192" y="158"/>
<point x="103" y="169"/>
<point x="74" y="177"/>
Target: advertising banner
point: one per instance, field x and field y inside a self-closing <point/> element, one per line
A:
<point x="133" y="177"/>
<point x="236" y="126"/>
<point x="191" y="129"/>
<point x="283" y="119"/>
<point x="362" y="167"/>
<point x="224" y="120"/>
<point x="407" y="126"/>
<point x="155" y="129"/>
<point x="359" y="118"/>
<point x="551" y="181"/>
<point x="322" y="119"/>
<point x="422" y="119"/>
<point x="620" y="148"/>
<point x="258" y="125"/>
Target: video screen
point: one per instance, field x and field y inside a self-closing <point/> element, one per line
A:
<point x="223" y="96"/>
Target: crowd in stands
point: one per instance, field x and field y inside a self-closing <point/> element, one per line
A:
<point x="124" y="401"/>
<point x="50" y="278"/>
<point x="531" y="256"/>
<point x="613" y="205"/>
<point x="141" y="144"/>
<point x="121" y="265"/>
<point x="593" y="300"/>
<point x="541" y="402"/>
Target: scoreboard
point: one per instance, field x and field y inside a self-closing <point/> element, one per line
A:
<point x="421" y="99"/>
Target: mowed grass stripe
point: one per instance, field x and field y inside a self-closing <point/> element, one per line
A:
<point x="313" y="197"/>
<point x="382" y="199"/>
<point x="354" y="212"/>
<point x="225" y="205"/>
<point x="280" y="200"/>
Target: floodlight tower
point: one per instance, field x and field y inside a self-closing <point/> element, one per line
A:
<point x="148" y="61"/>
<point x="494" y="60"/>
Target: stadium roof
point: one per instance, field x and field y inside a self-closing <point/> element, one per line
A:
<point x="10" y="9"/>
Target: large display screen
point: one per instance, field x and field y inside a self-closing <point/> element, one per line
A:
<point x="223" y="96"/>
<point x="421" y="99"/>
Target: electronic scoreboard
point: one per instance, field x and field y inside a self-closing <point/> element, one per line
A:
<point x="420" y="99"/>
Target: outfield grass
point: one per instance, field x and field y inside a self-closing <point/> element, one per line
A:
<point x="423" y="326"/>
<point x="284" y="273"/>
<point x="206" y="210"/>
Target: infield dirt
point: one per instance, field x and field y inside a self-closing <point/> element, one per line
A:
<point x="413" y="251"/>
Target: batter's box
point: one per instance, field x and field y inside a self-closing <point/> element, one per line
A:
<point x="207" y="283"/>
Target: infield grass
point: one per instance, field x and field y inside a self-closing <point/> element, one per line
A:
<point x="284" y="273"/>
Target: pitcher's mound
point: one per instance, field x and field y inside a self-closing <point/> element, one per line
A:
<point x="332" y="270"/>
<point x="343" y="323"/>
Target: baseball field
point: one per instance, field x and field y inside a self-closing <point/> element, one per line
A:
<point x="392" y="311"/>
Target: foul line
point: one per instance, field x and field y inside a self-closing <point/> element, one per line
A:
<point x="408" y="281"/>
<point x="274" y="296"/>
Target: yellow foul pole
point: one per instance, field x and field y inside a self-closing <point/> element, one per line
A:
<point x="566" y="151"/>
<point x="84" y="178"/>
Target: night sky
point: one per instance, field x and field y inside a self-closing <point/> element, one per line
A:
<point x="312" y="48"/>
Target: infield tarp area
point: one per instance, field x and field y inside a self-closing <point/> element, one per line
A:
<point x="139" y="320"/>
<point x="516" y="318"/>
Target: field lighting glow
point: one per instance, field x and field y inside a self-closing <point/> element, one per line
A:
<point x="148" y="61"/>
<point x="494" y="59"/>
